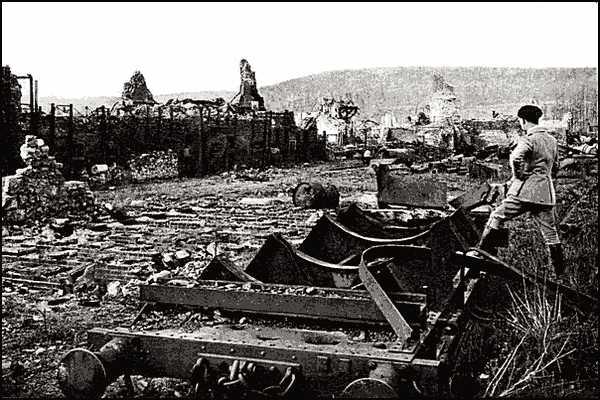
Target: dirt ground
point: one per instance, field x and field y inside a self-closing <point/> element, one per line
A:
<point x="36" y="332"/>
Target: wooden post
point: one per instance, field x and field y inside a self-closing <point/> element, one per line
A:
<point x="158" y="129"/>
<point x="147" y="138"/>
<point x="103" y="133"/>
<point x="269" y="136"/>
<point x="171" y="122"/>
<point x="70" y="142"/>
<point x="235" y="135"/>
<point x="200" y="163"/>
<point x="52" y="128"/>
<point x="251" y="143"/>
<point x="208" y="132"/>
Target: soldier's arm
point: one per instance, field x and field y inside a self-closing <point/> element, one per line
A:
<point x="517" y="157"/>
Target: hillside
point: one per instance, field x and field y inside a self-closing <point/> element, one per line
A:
<point x="402" y="89"/>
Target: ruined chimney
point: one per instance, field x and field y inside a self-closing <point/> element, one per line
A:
<point x="249" y="96"/>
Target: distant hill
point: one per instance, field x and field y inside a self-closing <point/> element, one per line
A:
<point x="403" y="89"/>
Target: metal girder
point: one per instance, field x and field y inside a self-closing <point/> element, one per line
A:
<point x="351" y="306"/>
<point x="385" y="304"/>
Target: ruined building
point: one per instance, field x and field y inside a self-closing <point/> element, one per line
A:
<point x="136" y="90"/>
<point x="334" y="119"/>
<point x="443" y="101"/>
<point x="10" y="110"/>
<point x="249" y="96"/>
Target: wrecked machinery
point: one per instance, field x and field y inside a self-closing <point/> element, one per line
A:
<point x="368" y="312"/>
<point x="354" y="312"/>
<point x="369" y="305"/>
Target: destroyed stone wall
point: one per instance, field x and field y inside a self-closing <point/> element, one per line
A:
<point x="249" y="96"/>
<point x="443" y="101"/>
<point x="254" y="139"/>
<point x="136" y="90"/>
<point x="333" y="128"/>
<point x="39" y="191"/>
<point x="10" y="111"/>
<point x="483" y="133"/>
<point x="437" y="136"/>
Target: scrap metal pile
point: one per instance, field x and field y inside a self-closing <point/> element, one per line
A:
<point x="369" y="303"/>
<point x="400" y="306"/>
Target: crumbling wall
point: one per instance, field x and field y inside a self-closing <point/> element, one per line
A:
<point x="10" y="111"/>
<point x="484" y="133"/>
<point x="249" y="96"/>
<point x="136" y="90"/>
<point x="441" y="136"/>
<point x="331" y="127"/>
<point x="39" y="191"/>
<point x="443" y="101"/>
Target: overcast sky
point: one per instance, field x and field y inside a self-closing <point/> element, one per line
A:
<point x="91" y="49"/>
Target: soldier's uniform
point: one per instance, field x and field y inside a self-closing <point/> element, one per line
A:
<point x="534" y="163"/>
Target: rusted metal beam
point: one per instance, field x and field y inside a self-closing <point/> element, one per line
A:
<point x="386" y="306"/>
<point x="495" y="266"/>
<point x="350" y="306"/>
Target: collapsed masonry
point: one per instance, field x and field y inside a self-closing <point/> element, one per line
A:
<point x="334" y="121"/>
<point x="249" y="96"/>
<point x="137" y="91"/>
<point x="39" y="191"/>
<point x="443" y="101"/>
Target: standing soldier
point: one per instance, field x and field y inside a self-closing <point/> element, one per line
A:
<point x="534" y="163"/>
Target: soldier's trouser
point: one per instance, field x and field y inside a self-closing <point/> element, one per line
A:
<point x="512" y="207"/>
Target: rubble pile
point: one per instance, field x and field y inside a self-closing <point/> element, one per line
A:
<point x="39" y="191"/>
<point x="154" y="165"/>
<point x="76" y="199"/>
<point x="114" y="175"/>
<point x="438" y="135"/>
<point x="136" y="90"/>
<point x="250" y="174"/>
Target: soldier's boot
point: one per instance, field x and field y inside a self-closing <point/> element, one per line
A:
<point x="489" y="242"/>
<point x="561" y="272"/>
<point x="490" y="239"/>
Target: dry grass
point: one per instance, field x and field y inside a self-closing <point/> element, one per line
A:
<point x="549" y="350"/>
<point x="538" y="321"/>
